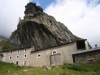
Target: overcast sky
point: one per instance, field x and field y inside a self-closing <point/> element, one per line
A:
<point x="10" y="11"/>
<point x="82" y="17"/>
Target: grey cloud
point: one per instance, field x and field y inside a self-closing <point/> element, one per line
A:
<point x="10" y="11"/>
<point x="82" y="18"/>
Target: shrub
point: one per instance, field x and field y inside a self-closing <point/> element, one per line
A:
<point x="63" y="73"/>
<point x="64" y="66"/>
<point x="6" y="45"/>
<point x="77" y="67"/>
<point x="84" y="67"/>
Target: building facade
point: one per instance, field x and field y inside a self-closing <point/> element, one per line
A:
<point x="19" y="57"/>
<point x="87" y="56"/>
<point x="47" y="57"/>
<point x="53" y="56"/>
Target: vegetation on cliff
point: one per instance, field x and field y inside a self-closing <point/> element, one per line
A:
<point x="5" y="45"/>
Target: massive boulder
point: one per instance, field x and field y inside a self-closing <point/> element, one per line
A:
<point x="40" y="30"/>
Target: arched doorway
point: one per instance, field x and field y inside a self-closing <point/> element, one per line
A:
<point x="55" y="59"/>
<point x="25" y="63"/>
<point x="16" y="62"/>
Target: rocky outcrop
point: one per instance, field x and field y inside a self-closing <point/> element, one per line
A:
<point x="40" y="30"/>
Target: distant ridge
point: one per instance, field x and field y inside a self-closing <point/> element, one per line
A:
<point x="2" y="38"/>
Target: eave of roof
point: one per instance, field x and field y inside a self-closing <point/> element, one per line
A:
<point x="85" y="51"/>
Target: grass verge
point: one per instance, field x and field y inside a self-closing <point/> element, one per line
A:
<point x="65" y="69"/>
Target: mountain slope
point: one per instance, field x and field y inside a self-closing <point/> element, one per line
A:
<point x="40" y="30"/>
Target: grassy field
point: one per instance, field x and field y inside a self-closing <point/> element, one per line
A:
<point x="65" y="69"/>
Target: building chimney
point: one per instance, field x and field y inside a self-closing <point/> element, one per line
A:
<point x="32" y="48"/>
<point x="96" y="46"/>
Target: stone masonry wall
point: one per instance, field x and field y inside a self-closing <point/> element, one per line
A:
<point x="47" y="57"/>
<point x="87" y="57"/>
<point x="43" y="57"/>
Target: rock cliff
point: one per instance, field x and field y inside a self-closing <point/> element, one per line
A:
<point x="40" y="30"/>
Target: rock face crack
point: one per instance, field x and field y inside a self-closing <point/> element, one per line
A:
<point x="40" y="30"/>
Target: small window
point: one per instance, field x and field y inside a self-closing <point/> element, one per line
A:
<point x="10" y="57"/>
<point x="25" y="50"/>
<point x="25" y="55"/>
<point x="2" y="55"/>
<point x="11" y="52"/>
<point x="17" y="56"/>
<point x="38" y="56"/>
<point x="18" y="51"/>
<point x="54" y="52"/>
<point x="90" y="54"/>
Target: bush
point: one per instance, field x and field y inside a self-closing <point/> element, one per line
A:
<point x="6" y="45"/>
<point x="77" y="67"/>
<point x="64" y="66"/>
<point x="63" y="73"/>
<point x="84" y="67"/>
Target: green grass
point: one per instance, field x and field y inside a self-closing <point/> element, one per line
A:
<point x="65" y="69"/>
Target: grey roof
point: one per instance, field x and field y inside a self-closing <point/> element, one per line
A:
<point x="0" y="53"/>
<point x="84" y="51"/>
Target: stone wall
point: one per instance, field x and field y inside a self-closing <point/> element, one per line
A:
<point x="87" y="57"/>
<point x="1" y="55"/>
<point x="47" y="57"/>
<point x="53" y="56"/>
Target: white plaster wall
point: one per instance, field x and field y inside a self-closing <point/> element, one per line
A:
<point x="32" y="59"/>
<point x="4" y="58"/>
<point x="65" y="52"/>
<point x="14" y="58"/>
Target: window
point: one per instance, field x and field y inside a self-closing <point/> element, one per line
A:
<point x="1" y="55"/>
<point x="54" y="52"/>
<point x="11" y="52"/>
<point x="18" y="51"/>
<point x="25" y="56"/>
<point x="17" y="56"/>
<point x="90" y="55"/>
<point x="10" y="57"/>
<point x="81" y="45"/>
<point x="25" y="50"/>
<point x="39" y="55"/>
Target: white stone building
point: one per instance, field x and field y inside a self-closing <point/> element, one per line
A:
<point x="47" y="57"/>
